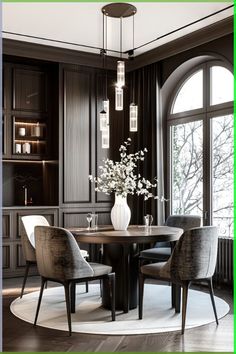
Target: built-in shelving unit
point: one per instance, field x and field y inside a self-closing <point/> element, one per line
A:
<point x="29" y="137"/>
<point x="30" y="147"/>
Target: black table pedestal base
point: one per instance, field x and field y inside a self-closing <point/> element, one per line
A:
<point x="124" y="262"/>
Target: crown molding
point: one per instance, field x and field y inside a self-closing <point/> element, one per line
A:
<point x="189" y="41"/>
<point x="69" y="56"/>
<point x="54" y="54"/>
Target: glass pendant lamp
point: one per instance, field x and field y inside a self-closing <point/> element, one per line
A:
<point x="119" y="98"/>
<point x="133" y="117"/>
<point x="120" y="73"/>
<point x="133" y="108"/>
<point x="106" y="138"/>
<point x="103" y="120"/>
<point x="106" y="107"/>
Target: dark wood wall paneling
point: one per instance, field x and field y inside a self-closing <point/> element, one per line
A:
<point x="82" y="92"/>
<point x="77" y="136"/>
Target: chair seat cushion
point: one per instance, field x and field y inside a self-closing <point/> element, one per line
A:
<point x="100" y="269"/>
<point x="156" y="270"/>
<point x="158" y="253"/>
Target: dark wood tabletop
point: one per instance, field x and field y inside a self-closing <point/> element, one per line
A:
<point x="134" y="234"/>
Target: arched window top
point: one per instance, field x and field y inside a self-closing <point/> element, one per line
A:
<point x="190" y="94"/>
<point x="221" y="85"/>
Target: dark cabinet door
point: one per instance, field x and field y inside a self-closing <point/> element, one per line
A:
<point x="29" y="90"/>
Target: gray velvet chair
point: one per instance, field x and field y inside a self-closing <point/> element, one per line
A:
<point x="162" y="250"/>
<point x="193" y="259"/>
<point x="59" y="259"/>
<point x="28" y="243"/>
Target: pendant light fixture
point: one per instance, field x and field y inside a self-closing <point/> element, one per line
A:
<point x="120" y="76"/>
<point x="119" y="10"/>
<point x="133" y="108"/>
<point x="104" y="114"/>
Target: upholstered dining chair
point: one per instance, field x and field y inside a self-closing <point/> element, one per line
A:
<point x="59" y="259"/>
<point x="193" y="259"/>
<point x="162" y="250"/>
<point x="28" y="243"/>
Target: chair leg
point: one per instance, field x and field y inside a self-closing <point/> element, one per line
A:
<point x="43" y="280"/>
<point x="72" y="297"/>
<point x="25" y="278"/>
<point x="68" y="305"/>
<point x="140" y="296"/>
<point x="87" y="287"/>
<point x="112" y="289"/>
<point x="212" y="298"/>
<point x="184" y="306"/>
<point x="177" y="298"/>
<point x="100" y="287"/>
<point x="173" y="290"/>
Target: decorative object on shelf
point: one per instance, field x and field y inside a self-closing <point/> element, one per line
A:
<point x="121" y="178"/>
<point x="36" y="130"/>
<point x="18" y="148"/>
<point x="21" y="131"/>
<point x="26" y="148"/>
<point x="25" y="195"/>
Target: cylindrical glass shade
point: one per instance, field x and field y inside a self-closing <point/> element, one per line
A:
<point x="103" y="120"/>
<point x="106" y="109"/>
<point x="106" y="138"/>
<point x="120" y="73"/>
<point x="133" y="118"/>
<point x="119" y="99"/>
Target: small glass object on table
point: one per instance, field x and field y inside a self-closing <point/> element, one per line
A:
<point x="148" y="219"/>
<point x="89" y="218"/>
<point x="94" y="222"/>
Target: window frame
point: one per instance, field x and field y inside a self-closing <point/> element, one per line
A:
<point x="206" y="114"/>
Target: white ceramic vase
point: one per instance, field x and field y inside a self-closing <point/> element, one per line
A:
<point x="120" y="213"/>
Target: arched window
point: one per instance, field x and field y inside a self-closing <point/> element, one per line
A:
<point x="184" y="100"/>
<point x="200" y="122"/>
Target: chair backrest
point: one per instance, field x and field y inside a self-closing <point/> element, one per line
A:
<point x="58" y="254"/>
<point x="29" y="222"/>
<point x="194" y="256"/>
<point x="184" y="222"/>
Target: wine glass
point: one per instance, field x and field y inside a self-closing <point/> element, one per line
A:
<point x="89" y="220"/>
<point x="148" y="219"/>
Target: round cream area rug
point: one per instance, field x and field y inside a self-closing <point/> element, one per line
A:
<point x="91" y="317"/>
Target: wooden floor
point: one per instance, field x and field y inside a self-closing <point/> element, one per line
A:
<point x="21" y="336"/>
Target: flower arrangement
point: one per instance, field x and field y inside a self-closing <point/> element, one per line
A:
<point x="120" y="177"/>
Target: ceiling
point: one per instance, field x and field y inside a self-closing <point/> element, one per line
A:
<point x="81" y="23"/>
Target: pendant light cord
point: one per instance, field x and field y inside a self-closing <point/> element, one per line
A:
<point x="103" y="50"/>
<point x="106" y="55"/>
<point x="120" y="37"/>
<point x="133" y="55"/>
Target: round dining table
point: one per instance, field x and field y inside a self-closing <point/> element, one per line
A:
<point x="121" y="251"/>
